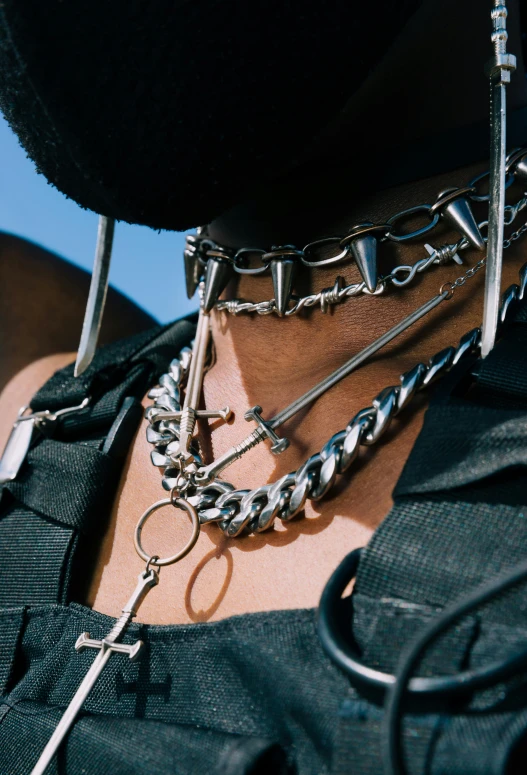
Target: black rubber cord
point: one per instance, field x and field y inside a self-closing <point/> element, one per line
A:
<point x="393" y="757"/>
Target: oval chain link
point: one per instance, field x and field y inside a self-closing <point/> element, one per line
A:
<point x="205" y="247"/>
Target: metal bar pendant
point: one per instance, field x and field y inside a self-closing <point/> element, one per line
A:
<point x="194" y="383"/>
<point x="97" y="295"/>
<point x="499" y="71"/>
<point x="107" y="646"/>
<point x="16" y="450"/>
<point x="266" y="428"/>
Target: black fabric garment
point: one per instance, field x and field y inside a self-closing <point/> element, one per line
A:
<point x="256" y="693"/>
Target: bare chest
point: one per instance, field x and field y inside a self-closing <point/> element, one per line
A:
<point x="283" y="568"/>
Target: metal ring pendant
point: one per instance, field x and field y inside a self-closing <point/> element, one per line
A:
<point x="180" y="503"/>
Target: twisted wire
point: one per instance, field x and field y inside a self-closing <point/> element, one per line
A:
<point x="400" y="276"/>
<point x="252" y="511"/>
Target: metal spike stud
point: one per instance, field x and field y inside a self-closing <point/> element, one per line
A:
<point x="192" y="271"/>
<point x="459" y="214"/>
<point x="521" y="168"/>
<point x="282" y="271"/>
<point x="217" y="275"/>
<point x="96" y="296"/>
<point x="364" y="251"/>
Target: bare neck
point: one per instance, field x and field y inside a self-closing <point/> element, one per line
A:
<point x="272" y="361"/>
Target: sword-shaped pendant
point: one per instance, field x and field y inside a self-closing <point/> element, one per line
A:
<point x="499" y="69"/>
<point x="190" y="412"/>
<point x="97" y="295"/>
<point x="266" y="428"/>
<point x="107" y="646"/>
<point x="194" y="384"/>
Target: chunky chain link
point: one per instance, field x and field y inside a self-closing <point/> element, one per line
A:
<point x="242" y="511"/>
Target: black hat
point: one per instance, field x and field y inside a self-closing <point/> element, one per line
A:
<point x="165" y="112"/>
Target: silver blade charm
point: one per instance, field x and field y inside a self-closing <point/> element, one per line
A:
<point x="97" y="295"/>
<point x="107" y="646"/>
<point x="499" y="69"/>
<point x="195" y="383"/>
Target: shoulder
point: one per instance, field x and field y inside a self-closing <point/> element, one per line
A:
<point x="23" y="386"/>
<point x="42" y="303"/>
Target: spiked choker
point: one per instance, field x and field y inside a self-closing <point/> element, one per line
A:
<point x="217" y="264"/>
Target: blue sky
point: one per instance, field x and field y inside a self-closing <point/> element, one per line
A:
<point x="146" y="266"/>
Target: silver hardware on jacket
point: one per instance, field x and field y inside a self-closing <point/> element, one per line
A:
<point x="97" y="295"/>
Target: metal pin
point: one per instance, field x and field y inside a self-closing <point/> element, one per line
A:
<point x="499" y="69"/>
<point x="265" y="427"/>
<point x="187" y="417"/>
<point x="97" y="295"/>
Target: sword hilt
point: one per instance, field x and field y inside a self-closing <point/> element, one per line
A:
<point x="278" y="444"/>
<point x="132" y="650"/>
<point x="501" y="64"/>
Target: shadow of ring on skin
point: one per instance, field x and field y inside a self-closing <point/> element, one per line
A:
<point x="203" y="615"/>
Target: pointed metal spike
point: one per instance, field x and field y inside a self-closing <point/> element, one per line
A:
<point x="282" y="271"/>
<point x="217" y="276"/>
<point x="364" y="251"/>
<point x="521" y="168"/>
<point x="96" y="296"/>
<point x="460" y="215"/>
<point x="192" y="271"/>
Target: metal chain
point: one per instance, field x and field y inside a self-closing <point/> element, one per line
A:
<point x="400" y="277"/>
<point x="310" y="255"/>
<point x="238" y="511"/>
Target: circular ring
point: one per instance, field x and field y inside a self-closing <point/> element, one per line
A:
<point x="418" y="232"/>
<point x="220" y="254"/>
<point x="449" y="195"/>
<point x="362" y="229"/>
<point x="179" y="503"/>
<point x="447" y="288"/>
<point x="152" y="561"/>
<point x="279" y="253"/>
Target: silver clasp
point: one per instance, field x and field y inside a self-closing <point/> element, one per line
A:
<point x="21" y="435"/>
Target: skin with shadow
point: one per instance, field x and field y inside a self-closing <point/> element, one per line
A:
<point x="271" y="361"/>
